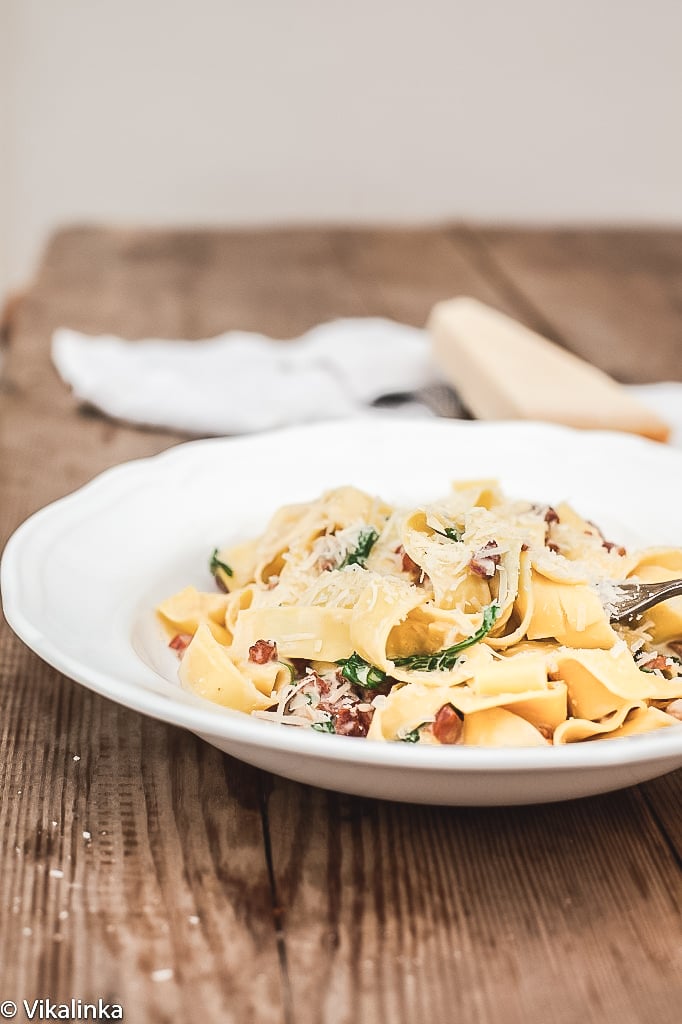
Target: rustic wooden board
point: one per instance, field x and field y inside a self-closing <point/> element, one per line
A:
<point x="262" y="900"/>
<point x="612" y="297"/>
<point x="544" y="914"/>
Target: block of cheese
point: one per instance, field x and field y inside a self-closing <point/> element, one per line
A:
<point x="503" y="370"/>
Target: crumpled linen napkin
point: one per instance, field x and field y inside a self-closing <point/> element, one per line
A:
<point x="241" y="382"/>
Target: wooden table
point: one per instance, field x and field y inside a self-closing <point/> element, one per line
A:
<point x="142" y="866"/>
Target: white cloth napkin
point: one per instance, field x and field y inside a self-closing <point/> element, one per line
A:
<point x="241" y="382"/>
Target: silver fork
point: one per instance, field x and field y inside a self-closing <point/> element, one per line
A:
<point x="441" y="399"/>
<point x="635" y="598"/>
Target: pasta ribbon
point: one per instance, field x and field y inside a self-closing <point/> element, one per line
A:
<point x="207" y="670"/>
<point x="408" y="707"/>
<point x="188" y="609"/>
<point x="499" y="727"/>
<point x="381" y="608"/>
<point x="601" y="682"/>
<point x="570" y="612"/>
<point x="629" y="720"/>
<point x="313" y="633"/>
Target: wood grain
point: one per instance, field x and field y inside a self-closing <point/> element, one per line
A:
<point x="129" y="848"/>
<point x="608" y="296"/>
<point x="262" y="900"/>
<point x="542" y="914"/>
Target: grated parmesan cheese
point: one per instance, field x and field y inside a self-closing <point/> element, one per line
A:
<point x="618" y="648"/>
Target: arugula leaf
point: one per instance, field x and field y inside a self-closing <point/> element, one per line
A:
<point x="450" y="532"/>
<point x="668" y="657"/>
<point x="323" y="726"/>
<point x="449" y="656"/>
<point x="215" y="564"/>
<point x="411" y="737"/>
<point x="356" y="670"/>
<point x="358" y="556"/>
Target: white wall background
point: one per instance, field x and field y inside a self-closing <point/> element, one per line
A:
<point x="258" y="111"/>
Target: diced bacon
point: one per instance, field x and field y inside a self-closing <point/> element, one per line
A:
<point x="352" y="722"/>
<point x="333" y="705"/>
<point x="406" y="563"/>
<point x="485" y="562"/>
<point x="263" y="651"/>
<point x="180" y="642"/>
<point x="447" y="726"/>
<point x="350" y="715"/>
<point x="340" y="678"/>
<point x="313" y="678"/>
<point x="409" y="566"/>
<point x="549" y="514"/>
<point x="659" y="662"/>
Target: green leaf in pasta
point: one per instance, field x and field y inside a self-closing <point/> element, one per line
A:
<point x="411" y="737"/>
<point x="358" y="556"/>
<point x="451" y="533"/>
<point x="327" y="726"/>
<point x="216" y="565"/>
<point x="356" y="670"/>
<point x="449" y="656"/>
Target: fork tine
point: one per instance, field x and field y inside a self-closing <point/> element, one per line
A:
<point x="635" y="598"/>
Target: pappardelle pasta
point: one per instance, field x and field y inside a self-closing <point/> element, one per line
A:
<point x="473" y="620"/>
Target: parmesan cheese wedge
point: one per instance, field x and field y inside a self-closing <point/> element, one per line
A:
<point x="503" y="370"/>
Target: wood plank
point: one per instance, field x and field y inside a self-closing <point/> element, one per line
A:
<point x="544" y="914"/>
<point x="402" y="273"/>
<point x="129" y="848"/>
<point x="664" y="799"/>
<point x="611" y="296"/>
<point x="192" y="284"/>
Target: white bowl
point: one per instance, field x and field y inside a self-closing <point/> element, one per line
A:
<point x="81" y="577"/>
